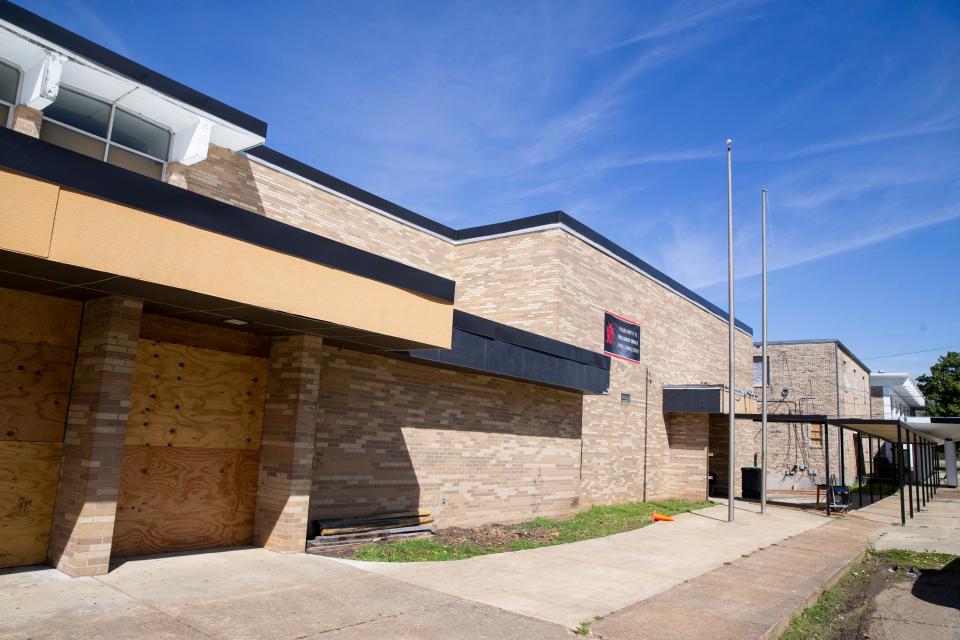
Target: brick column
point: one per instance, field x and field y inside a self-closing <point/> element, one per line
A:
<point x="27" y="120"/>
<point x="82" y="531"/>
<point x="289" y="436"/>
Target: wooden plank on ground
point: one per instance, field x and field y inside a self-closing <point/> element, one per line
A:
<point x="176" y="498"/>
<point x="205" y="336"/>
<point x="28" y="489"/>
<point x="34" y="391"/>
<point x="405" y="522"/>
<point x="33" y="318"/>
<point x="191" y="397"/>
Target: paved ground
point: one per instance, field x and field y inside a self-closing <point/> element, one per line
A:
<point x="698" y="577"/>
<point x="755" y="596"/>
<point x="936" y="527"/>
<point x="927" y="608"/>
<point x="568" y="584"/>
<point x="245" y="593"/>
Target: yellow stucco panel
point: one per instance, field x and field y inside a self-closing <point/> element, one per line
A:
<point x="26" y="214"/>
<point x="96" y="234"/>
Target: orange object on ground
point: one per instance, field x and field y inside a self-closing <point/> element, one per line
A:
<point x="659" y="517"/>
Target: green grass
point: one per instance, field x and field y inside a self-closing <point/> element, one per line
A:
<point x="840" y="609"/>
<point x="597" y="522"/>
<point x="888" y="487"/>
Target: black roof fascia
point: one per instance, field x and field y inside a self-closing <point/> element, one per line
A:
<point x="32" y="157"/>
<point x="484" y="346"/>
<point x="79" y="45"/>
<point x="820" y="341"/>
<point x="298" y="168"/>
<point x="505" y="333"/>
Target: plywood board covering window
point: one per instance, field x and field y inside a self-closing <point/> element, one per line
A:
<point x="191" y="450"/>
<point x="38" y="336"/>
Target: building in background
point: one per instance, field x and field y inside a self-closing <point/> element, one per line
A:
<point x="894" y="396"/>
<point x="205" y="342"/>
<point x="811" y="377"/>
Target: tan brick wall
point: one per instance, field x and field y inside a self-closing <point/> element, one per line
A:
<point x="287" y="449"/>
<point x="238" y="180"/>
<point x="555" y="284"/>
<point x="83" y="519"/>
<point x="27" y="120"/>
<point x="472" y="449"/>
<point x="809" y="374"/>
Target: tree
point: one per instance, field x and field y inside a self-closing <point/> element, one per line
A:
<point x="942" y="387"/>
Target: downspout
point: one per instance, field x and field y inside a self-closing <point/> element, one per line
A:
<point x="646" y="406"/>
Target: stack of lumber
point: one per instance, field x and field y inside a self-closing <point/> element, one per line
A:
<point x="343" y="537"/>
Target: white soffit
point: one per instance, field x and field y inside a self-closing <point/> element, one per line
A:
<point x="902" y="385"/>
<point x="27" y="52"/>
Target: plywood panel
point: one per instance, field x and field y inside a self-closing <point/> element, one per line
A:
<point x="34" y="391"/>
<point x="33" y="318"/>
<point x="175" y="498"/>
<point x="28" y="489"/>
<point x="189" y="397"/>
<point x="205" y="336"/>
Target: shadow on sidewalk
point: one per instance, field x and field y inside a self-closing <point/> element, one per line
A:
<point x="940" y="587"/>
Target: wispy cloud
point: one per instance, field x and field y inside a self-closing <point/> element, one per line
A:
<point x="697" y="255"/>
<point x="682" y="17"/>
<point x="939" y="125"/>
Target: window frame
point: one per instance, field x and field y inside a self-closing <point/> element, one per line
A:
<point x="106" y="140"/>
<point x="16" y="93"/>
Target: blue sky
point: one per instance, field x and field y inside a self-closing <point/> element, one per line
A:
<point x="617" y="112"/>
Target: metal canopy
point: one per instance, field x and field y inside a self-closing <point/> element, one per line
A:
<point x="937" y="429"/>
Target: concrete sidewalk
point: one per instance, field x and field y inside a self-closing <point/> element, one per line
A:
<point x="244" y="594"/>
<point x="571" y="583"/>
<point x="936" y="527"/>
<point x="756" y="596"/>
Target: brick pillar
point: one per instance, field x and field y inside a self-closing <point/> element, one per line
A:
<point x="289" y="435"/>
<point x="82" y="531"/>
<point x="27" y="120"/>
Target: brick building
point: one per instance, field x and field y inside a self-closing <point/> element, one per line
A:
<point x="205" y="342"/>
<point x="811" y="377"/>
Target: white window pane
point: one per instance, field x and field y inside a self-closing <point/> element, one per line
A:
<point x="757" y="372"/>
<point x="9" y="78"/>
<point x="136" y="133"/>
<point x="80" y="111"/>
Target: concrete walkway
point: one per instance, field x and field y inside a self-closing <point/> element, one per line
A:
<point x="571" y="583"/>
<point x="241" y="594"/>
<point x="936" y="527"/>
<point x="756" y="596"/>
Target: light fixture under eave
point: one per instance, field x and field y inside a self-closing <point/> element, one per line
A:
<point x="235" y="321"/>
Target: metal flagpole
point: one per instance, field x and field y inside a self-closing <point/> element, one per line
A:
<point x="732" y="400"/>
<point x="763" y="352"/>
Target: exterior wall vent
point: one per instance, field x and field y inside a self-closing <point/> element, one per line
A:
<point x="625" y="398"/>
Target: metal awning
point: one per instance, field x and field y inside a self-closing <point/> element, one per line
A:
<point x="932" y="429"/>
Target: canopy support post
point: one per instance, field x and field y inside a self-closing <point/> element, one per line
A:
<point x="873" y="471"/>
<point x="861" y="470"/>
<point x="826" y="462"/>
<point x="843" y="464"/>
<point x="899" y="459"/>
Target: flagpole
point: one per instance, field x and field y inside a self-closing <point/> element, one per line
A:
<point x="732" y="400"/>
<point x="763" y="352"/>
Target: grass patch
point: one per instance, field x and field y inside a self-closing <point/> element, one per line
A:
<point x="841" y="609"/>
<point x="599" y="521"/>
